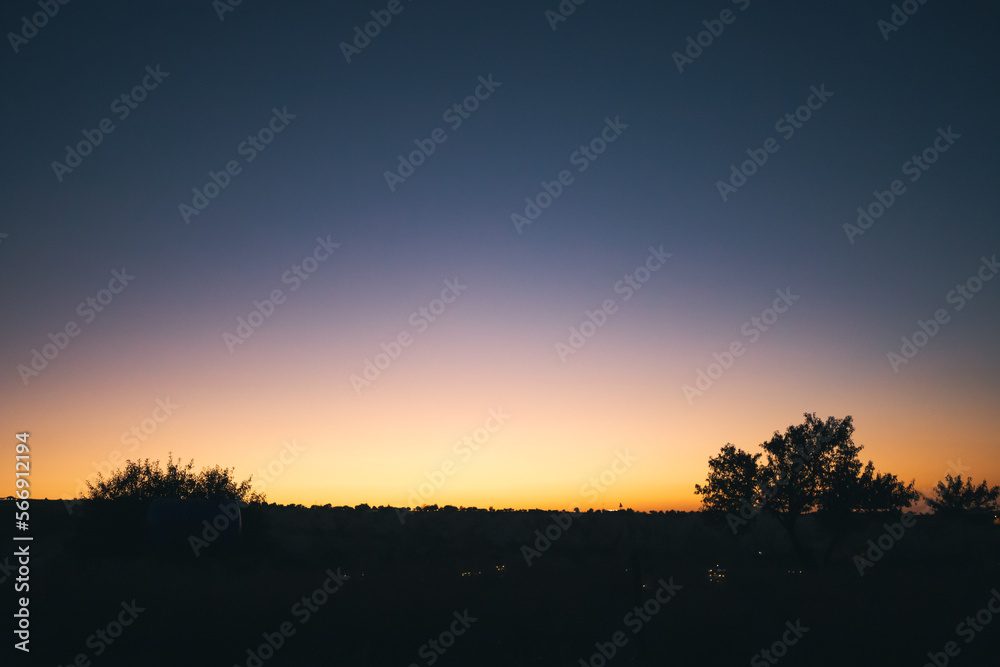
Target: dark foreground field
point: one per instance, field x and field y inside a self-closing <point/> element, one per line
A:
<point x="461" y="579"/>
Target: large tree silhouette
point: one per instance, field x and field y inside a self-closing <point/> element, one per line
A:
<point x="954" y="495"/>
<point x="812" y="466"/>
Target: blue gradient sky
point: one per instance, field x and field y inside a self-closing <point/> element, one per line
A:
<point x="494" y="347"/>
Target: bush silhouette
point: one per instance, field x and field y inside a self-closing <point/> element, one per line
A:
<point x="118" y="504"/>
<point x="147" y="481"/>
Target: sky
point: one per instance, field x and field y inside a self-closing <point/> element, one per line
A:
<point x="495" y="254"/>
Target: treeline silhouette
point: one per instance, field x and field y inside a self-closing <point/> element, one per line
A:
<point x="798" y="531"/>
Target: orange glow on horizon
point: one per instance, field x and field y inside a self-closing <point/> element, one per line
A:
<point x="563" y="423"/>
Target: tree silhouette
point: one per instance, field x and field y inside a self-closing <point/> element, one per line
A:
<point x="147" y="481"/>
<point x="813" y="466"/>
<point x="954" y="495"/>
<point x="732" y="478"/>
